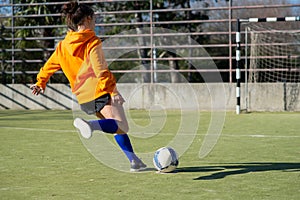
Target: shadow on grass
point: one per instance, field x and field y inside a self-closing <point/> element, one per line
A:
<point x="221" y="171"/>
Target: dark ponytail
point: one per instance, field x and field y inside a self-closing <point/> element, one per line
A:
<point x="75" y="14"/>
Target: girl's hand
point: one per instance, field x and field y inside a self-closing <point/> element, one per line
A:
<point x="36" y="90"/>
<point x="118" y="99"/>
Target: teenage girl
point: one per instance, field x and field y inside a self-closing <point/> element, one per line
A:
<point x="81" y="58"/>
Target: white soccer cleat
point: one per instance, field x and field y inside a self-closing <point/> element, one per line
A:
<point x="83" y="127"/>
<point x="137" y="166"/>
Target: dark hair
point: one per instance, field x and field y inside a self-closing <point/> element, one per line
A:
<point x="75" y="14"/>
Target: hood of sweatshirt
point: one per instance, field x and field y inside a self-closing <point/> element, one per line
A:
<point x="74" y="42"/>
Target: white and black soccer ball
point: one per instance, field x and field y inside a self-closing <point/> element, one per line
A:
<point x="165" y="159"/>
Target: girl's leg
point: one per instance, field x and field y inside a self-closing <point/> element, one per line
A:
<point x="112" y="120"/>
<point x="116" y="112"/>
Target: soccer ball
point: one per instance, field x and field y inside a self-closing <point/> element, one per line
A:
<point x="165" y="159"/>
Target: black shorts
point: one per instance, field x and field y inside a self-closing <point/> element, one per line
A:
<point x="96" y="105"/>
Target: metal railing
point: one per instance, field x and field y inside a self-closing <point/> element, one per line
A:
<point x="220" y="26"/>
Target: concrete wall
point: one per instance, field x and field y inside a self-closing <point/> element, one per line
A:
<point x="212" y="96"/>
<point x="273" y="97"/>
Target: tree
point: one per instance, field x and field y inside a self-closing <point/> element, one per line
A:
<point x="23" y="35"/>
<point x="158" y="17"/>
<point x="4" y="44"/>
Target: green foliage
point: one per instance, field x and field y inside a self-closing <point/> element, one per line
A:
<point x="25" y="36"/>
<point x="157" y="17"/>
<point x="120" y="18"/>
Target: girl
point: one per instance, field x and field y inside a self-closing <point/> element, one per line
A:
<point x="81" y="58"/>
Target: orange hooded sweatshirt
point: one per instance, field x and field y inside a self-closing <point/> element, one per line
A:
<point x="81" y="58"/>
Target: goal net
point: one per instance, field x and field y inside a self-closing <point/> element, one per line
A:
<point x="274" y="55"/>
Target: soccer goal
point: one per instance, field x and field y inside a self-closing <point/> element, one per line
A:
<point x="271" y="54"/>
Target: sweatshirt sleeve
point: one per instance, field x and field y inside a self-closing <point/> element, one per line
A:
<point x="101" y="71"/>
<point x="98" y="61"/>
<point x="50" y="67"/>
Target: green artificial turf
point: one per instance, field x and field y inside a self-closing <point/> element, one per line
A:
<point x="257" y="156"/>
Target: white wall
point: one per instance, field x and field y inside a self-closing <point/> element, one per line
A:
<point x="216" y="96"/>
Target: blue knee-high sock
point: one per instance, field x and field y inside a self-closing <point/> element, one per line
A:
<point x="111" y="126"/>
<point x="105" y="125"/>
<point x="125" y="144"/>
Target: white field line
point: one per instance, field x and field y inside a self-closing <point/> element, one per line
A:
<point x="37" y="129"/>
<point x="164" y="133"/>
<point x="14" y="188"/>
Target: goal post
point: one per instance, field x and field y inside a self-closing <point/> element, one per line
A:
<point x="263" y="58"/>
